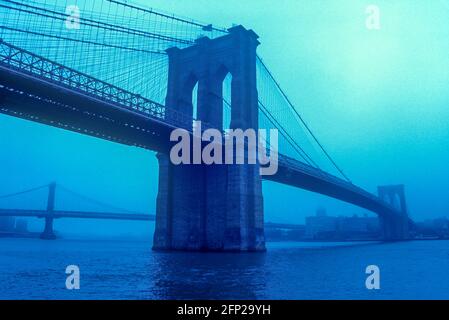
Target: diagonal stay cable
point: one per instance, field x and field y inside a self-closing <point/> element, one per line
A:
<point x="23" y="192"/>
<point x="97" y="202"/>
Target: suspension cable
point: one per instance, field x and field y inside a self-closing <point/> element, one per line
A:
<point x="23" y="192"/>
<point x="303" y="121"/>
<point x="97" y="202"/>
<point x="172" y="17"/>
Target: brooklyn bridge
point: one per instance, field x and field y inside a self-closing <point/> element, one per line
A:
<point x="131" y="75"/>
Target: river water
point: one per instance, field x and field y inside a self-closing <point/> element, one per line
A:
<point x="34" y="269"/>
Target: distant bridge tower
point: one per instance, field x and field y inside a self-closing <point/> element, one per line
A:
<point x="216" y="207"/>
<point x="48" y="233"/>
<point x="394" y="227"/>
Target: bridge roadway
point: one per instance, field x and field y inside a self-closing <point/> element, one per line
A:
<point x="57" y="214"/>
<point x="40" y="90"/>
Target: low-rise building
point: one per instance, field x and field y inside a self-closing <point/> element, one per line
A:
<point x="7" y="224"/>
<point x="325" y="227"/>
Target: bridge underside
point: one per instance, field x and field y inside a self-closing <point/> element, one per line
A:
<point x="28" y="97"/>
<point x="313" y="183"/>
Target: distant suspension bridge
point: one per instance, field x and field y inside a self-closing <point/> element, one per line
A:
<point x="111" y="212"/>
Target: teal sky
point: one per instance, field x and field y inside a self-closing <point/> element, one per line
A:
<point x="378" y="100"/>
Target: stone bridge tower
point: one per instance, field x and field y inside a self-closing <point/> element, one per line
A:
<point x="394" y="227"/>
<point x="212" y="207"/>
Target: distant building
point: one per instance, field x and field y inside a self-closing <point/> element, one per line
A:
<point x="325" y="227"/>
<point x="437" y="228"/>
<point x="22" y="226"/>
<point x="320" y="224"/>
<point x="11" y="225"/>
<point x="7" y="224"/>
<point x="358" y="224"/>
<point x="278" y="232"/>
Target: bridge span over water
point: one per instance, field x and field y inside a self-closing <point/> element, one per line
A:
<point x="93" y="87"/>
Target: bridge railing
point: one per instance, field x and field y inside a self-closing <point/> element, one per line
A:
<point x="27" y="62"/>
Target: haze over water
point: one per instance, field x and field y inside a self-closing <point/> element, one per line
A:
<point x="129" y="270"/>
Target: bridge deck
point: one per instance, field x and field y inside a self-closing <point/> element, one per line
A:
<point x="58" y="214"/>
<point x="298" y="174"/>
